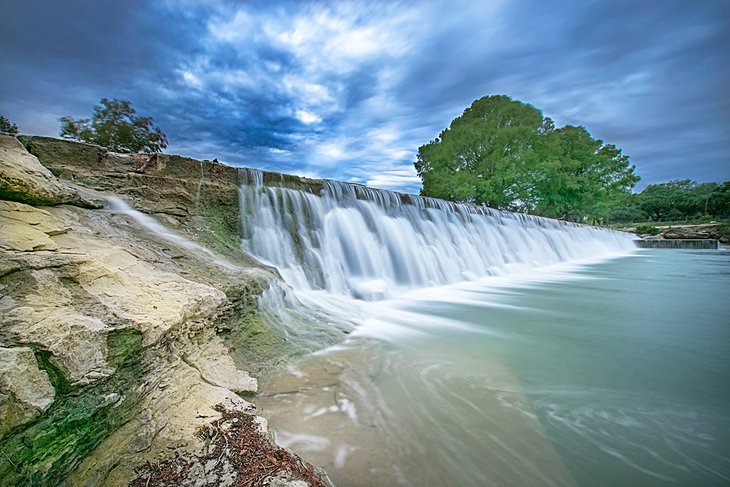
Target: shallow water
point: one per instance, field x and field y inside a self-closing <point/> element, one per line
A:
<point x="612" y="373"/>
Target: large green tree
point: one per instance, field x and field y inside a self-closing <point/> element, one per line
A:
<point x="484" y="156"/>
<point x="579" y="175"/>
<point x="718" y="202"/>
<point x="116" y="126"/>
<point x="506" y="154"/>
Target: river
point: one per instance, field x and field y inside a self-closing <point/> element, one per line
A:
<point x="597" y="373"/>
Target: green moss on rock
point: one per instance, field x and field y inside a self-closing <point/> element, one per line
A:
<point x="55" y="374"/>
<point x="29" y="197"/>
<point x="46" y="450"/>
<point x="124" y="347"/>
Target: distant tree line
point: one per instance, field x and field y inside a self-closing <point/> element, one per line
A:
<point x="671" y="201"/>
<point x="505" y="154"/>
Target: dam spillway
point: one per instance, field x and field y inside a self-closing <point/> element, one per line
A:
<point x="373" y="244"/>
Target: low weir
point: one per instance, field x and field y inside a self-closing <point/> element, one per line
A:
<point x="372" y="244"/>
<point x="679" y="243"/>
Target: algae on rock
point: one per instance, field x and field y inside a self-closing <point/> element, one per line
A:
<point x="114" y="342"/>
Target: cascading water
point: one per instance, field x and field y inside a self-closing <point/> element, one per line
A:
<point x="469" y="359"/>
<point x="374" y="244"/>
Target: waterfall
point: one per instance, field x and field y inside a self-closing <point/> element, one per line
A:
<point x="374" y="244"/>
<point x="156" y="228"/>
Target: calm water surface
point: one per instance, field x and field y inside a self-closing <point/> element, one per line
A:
<point x="615" y="374"/>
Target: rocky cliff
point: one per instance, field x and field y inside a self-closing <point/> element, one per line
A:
<point x="125" y="348"/>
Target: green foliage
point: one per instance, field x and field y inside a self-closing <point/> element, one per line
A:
<point x="671" y="199"/>
<point x="7" y="127"/>
<point x="484" y="155"/>
<point x="505" y="154"/>
<point x="647" y="230"/>
<point x="685" y="199"/>
<point x="718" y="202"/>
<point x="116" y="126"/>
<point x="625" y="215"/>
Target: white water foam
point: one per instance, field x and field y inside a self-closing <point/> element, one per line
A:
<point x="364" y="256"/>
<point x="374" y="244"/>
<point x="162" y="231"/>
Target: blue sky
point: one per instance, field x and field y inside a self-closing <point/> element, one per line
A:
<point x="350" y="90"/>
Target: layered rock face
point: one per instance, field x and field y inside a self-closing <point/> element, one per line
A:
<point x="115" y="340"/>
<point x="23" y="179"/>
<point x="708" y="231"/>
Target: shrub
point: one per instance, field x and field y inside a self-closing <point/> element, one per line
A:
<point x="7" y="127"/>
<point x="647" y="230"/>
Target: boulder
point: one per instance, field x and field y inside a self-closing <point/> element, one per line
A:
<point x="24" y="179"/>
<point x="26" y="229"/>
<point x="217" y="368"/>
<point x="152" y="300"/>
<point x="25" y="390"/>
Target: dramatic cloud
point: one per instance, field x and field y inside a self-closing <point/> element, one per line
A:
<point x="350" y="90"/>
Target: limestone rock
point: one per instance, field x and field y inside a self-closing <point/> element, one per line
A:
<point x="25" y="390"/>
<point x="24" y="179"/>
<point x="691" y="232"/>
<point x="154" y="301"/>
<point x="23" y="229"/>
<point x="103" y="297"/>
<point x="77" y="342"/>
<point x="217" y="368"/>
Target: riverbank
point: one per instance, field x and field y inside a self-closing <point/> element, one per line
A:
<point x="123" y="343"/>
<point x="682" y="231"/>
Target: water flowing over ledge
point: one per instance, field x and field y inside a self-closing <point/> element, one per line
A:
<point x="374" y="244"/>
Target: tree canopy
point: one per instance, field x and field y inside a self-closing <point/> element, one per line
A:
<point x="505" y="154"/>
<point x="680" y="199"/>
<point x="7" y="127"/>
<point x="116" y="126"/>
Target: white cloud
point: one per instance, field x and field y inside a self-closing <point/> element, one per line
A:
<point x="308" y="92"/>
<point x="233" y="30"/>
<point x="332" y="150"/>
<point x="338" y="38"/>
<point x="192" y="80"/>
<point x="307" y="117"/>
<point x="318" y="50"/>
<point x="394" y="180"/>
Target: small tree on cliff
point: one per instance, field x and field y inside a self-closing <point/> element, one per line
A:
<point x="116" y="126"/>
<point x="7" y="127"/>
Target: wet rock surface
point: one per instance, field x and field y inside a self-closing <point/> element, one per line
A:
<point x="694" y="232"/>
<point x="114" y="341"/>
